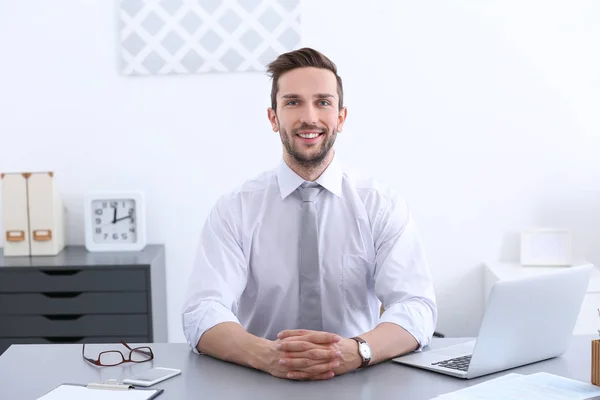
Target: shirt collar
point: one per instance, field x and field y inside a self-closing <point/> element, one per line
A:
<point x="330" y="179"/>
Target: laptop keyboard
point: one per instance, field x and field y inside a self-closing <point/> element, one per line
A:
<point x="459" y="363"/>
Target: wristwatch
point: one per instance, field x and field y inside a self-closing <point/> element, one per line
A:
<point x="364" y="351"/>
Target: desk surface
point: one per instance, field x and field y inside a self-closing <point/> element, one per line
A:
<point x="29" y="371"/>
<point x="79" y="257"/>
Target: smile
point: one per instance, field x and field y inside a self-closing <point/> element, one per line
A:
<point x="310" y="135"/>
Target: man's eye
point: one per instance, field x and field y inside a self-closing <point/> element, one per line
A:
<point x="292" y="103"/>
<point x="324" y="103"/>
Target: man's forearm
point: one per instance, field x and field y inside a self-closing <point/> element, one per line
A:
<point x="389" y="340"/>
<point x="229" y="341"/>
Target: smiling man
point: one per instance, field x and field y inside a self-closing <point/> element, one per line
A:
<point x="292" y="267"/>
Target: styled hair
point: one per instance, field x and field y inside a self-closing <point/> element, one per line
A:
<point x="301" y="58"/>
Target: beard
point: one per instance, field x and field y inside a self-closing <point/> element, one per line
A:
<point x="304" y="159"/>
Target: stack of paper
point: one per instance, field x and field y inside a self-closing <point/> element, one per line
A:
<point x="532" y="387"/>
<point x="80" y="392"/>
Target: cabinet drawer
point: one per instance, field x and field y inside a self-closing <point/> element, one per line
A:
<point x="55" y="303"/>
<point x="77" y="325"/>
<point x="5" y="343"/>
<point x="72" y="280"/>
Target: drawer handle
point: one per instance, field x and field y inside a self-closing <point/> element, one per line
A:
<point x="64" y="339"/>
<point x="62" y="295"/>
<point x="15" y="236"/>
<point x="42" y="235"/>
<point x="61" y="272"/>
<point x="69" y="317"/>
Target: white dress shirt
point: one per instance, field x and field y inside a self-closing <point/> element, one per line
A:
<point x="246" y="267"/>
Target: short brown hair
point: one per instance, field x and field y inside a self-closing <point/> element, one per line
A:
<point x="304" y="57"/>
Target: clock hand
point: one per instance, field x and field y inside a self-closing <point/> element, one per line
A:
<point x="120" y="219"/>
<point x="114" y="215"/>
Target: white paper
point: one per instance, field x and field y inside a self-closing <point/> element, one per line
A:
<point x="538" y="386"/>
<point x="69" y="392"/>
<point x="487" y="386"/>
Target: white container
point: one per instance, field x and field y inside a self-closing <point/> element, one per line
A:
<point x="546" y="247"/>
<point x="46" y="215"/>
<point x="33" y="215"/>
<point x="15" y="219"/>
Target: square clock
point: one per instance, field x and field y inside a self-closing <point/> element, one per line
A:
<point x="115" y="221"/>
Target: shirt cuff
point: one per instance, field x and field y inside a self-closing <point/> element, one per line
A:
<point x="204" y="316"/>
<point x="415" y="317"/>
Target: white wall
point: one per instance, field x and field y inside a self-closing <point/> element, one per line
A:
<point x="484" y="114"/>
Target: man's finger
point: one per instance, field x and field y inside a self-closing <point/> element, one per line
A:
<point x="314" y="337"/>
<point x="319" y="369"/>
<point x="292" y="364"/>
<point x="293" y="332"/>
<point x="322" y="377"/>
<point x="298" y="375"/>
<point x="314" y="354"/>
<point x="299" y="345"/>
<point x="321" y="338"/>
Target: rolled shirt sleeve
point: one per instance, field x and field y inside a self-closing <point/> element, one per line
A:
<point x="402" y="278"/>
<point x="218" y="276"/>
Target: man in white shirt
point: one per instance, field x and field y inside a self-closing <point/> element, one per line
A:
<point x="293" y="266"/>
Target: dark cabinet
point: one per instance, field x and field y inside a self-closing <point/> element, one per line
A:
<point x="83" y="297"/>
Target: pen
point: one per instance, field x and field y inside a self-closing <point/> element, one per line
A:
<point x="110" y="384"/>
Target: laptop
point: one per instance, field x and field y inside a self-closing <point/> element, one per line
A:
<point x="525" y="320"/>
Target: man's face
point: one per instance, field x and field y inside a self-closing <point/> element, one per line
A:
<point x="308" y="117"/>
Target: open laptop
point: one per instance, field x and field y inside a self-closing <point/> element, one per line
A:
<point x="526" y="320"/>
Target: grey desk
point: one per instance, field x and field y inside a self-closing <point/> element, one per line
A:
<point x="29" y="371"/>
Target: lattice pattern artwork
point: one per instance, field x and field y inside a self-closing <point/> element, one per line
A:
<point x="160" y="37"/>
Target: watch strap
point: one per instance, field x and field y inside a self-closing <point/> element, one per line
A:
<point x="365" y="361"/>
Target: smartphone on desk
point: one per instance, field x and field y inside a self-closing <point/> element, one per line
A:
<point x="152" y="376"/>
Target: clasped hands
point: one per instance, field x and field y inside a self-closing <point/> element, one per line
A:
<point x="312" y="355"/>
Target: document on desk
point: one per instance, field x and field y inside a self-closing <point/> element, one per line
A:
<point x="536" y="386"/>
<point x="74" y="392"/>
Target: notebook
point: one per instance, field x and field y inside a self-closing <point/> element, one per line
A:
<point x="81" y="392"/>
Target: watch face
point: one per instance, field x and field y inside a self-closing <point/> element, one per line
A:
<point x="365" y="350"/>
<point x="114" y="221"/>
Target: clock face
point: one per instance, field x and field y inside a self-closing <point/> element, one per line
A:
<point x="114" y="221"/>
<point x="365" y="350"/>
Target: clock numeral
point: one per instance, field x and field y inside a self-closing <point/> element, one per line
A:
<point x="103" y="213"/>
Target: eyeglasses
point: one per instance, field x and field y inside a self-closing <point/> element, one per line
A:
<point x="115" y="357"/>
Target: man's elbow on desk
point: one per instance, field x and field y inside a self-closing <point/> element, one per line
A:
<point x="389" y="340"/>
<point x="405" y="327"/>
<point x="229" y="341"/>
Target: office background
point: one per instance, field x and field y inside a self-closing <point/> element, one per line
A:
<point x="483" y="114"/>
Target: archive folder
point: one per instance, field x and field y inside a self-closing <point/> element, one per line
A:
<point x="15" y="215"/>
<point x="46" y="215"/>
<point x="33" y="215"/>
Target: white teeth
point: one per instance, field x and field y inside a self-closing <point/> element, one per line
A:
<point x="309" y="135"/>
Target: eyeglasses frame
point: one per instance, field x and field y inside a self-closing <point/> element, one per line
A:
<point x="141" y="349"/>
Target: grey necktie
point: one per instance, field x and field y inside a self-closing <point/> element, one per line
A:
<point x="310" y="277"/>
